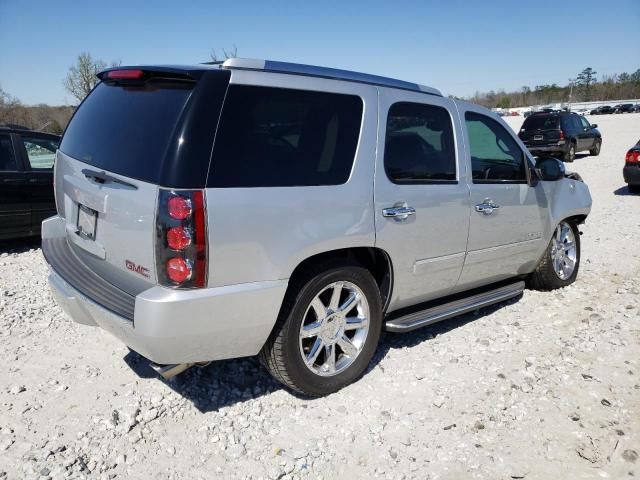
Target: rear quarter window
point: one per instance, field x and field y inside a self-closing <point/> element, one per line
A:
<point x="275" y="137"/>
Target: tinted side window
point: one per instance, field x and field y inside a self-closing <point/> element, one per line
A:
<point x="419" y="145"/>
<point x="274" y="137"/>
<point x="40" y="151"/>
<point x="585" y="122"/>
<point x="7" y="158"/>
<point x="495" y="155"/>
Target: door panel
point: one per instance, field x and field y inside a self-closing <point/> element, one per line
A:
<point x="15" y="215"/>
<point x="506" y="222"/>
<point x="416" y="146"/>
<point x="39" y="154"/>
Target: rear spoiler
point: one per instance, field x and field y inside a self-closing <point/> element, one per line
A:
<point x="137" y="75"/>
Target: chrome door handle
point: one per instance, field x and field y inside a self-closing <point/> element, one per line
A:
<point x="487" y="207"/>
<point x="401" y="212"/>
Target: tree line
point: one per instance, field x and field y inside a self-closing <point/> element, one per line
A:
<point x="584" y="88"/>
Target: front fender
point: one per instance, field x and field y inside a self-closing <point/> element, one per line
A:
<point x="565" y="198"/>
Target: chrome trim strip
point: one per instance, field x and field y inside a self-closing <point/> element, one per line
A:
<point x="455" y="308"/>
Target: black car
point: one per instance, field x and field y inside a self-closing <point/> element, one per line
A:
<point x="631" y="170"/>
<point x="560" y="133"/>
<point x="26" y="180"/>
<point x="603" y="110"/>
<point x="624" y="108"/>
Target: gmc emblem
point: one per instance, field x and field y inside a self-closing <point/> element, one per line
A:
<point x="139" y="269"/>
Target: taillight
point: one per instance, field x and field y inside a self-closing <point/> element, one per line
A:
<point x="181" y="239"/>
<point x="561" y="135"/>
<point x="632" y="157"/>
<point x="179" y="207"/>
<point x="178" y="238"/>
<point x="178" y="270"/>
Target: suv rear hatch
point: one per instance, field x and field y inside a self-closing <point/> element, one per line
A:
<point x="140" y="129"/>
<point x="540" y="130"/>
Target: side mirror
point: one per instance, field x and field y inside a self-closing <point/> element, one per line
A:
<point x="594" y="125"/>
<point x="550" y="169"/>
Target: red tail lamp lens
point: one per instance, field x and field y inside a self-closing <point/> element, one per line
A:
<point x="125" y="74"/>
<point x="179" y="207"/>
<point x="178" y="238"/>
<point x="178" y="270"/>
<point x="633" y="156"/>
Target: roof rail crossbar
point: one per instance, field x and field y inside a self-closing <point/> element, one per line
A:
<point x="325" y="72"/>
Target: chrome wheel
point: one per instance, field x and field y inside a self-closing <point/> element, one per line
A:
<point x="564" y="251"/>
<point x="334" y="329"/>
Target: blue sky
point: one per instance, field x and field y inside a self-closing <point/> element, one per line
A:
<point x="457" y="46"/>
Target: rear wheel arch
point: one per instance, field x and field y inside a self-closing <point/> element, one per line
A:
<point x="374" y="259"/>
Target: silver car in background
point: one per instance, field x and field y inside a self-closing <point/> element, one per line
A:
<point x="259" y="207"/>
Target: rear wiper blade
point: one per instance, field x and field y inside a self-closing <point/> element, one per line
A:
<point x="103" y="177"/>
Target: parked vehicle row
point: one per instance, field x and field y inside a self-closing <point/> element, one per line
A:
<point x="259" y="208"/>
<point x="621" y="108"/>
<point x="26" y="180"/>
<point x="560" y="133"/>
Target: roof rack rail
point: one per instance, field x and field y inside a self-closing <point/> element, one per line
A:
<point x="325" y="72"/>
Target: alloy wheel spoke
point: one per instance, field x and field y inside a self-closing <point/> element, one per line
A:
<point x="314" y="352"/>
<point x="355" y="323"/>
<point x="335" y="296"/>
<point x="319" y="308"/>
<point x="349" y="303"/>
<point x="347" y="346"/>
<point x="330" y="362"/>
<point x="312" y="329"/>
<point x="558" y="232"/>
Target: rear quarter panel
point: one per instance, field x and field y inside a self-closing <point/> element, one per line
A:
<point x="258" y="234"/>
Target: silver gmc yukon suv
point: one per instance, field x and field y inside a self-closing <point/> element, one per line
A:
<point x="294" y="212"/>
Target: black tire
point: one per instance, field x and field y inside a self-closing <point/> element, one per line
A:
<point x="281" y="353"/>
<point x="634" y="188"/>
<point x="544" y="277"/>
<point x="570" y="155"/>
<point x="595" y="151"/>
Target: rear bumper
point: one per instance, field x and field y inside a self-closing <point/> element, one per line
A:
<point x="180" y="326"/>
<point x="631" y="175"/>
<point x="548" y="149"/>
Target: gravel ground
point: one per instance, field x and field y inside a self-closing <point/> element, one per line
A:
<point x="544" y="387"/>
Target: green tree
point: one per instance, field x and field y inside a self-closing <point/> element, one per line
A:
<point x="586" y="79"/>
<point x="82" y="76"/>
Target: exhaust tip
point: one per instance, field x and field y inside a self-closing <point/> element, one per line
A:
<point x="169" y="371"/>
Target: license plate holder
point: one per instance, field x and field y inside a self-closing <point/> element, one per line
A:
<point x="87" y="222"/>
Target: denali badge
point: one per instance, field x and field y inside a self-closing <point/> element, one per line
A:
<point x="144" y="271"/>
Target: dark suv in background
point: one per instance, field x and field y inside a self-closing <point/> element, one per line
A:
<point x="560" y="133"/>
<point x="624" y="108"/>
<point x="603" y="110"/>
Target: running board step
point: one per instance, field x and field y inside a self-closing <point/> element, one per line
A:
<point x="454" y="308"/>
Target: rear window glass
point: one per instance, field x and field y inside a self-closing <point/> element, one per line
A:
<point x="274" y="137"/>
<point x="541" y="122"/>
<point x="126" y="130"/>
